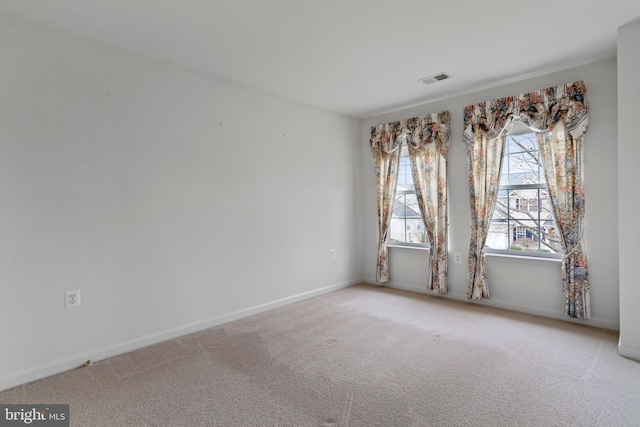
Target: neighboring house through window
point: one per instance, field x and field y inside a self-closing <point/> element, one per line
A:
<point x="407" y="226"/>
<point x="523" y="221"/>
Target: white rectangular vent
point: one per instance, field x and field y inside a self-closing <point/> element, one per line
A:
<point x="435" y="78"/>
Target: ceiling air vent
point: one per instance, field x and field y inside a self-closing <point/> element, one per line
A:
<point x="435" y="78"/>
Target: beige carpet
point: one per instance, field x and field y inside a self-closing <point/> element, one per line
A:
<point x="363" y="356"/>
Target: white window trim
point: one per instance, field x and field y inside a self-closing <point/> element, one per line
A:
<point x="531" y="256"/>
<point x="508" y="253"/>
<point x="411" y="246"/>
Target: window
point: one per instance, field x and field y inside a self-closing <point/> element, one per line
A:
<point x="523" y="221"/>
<point x="528" y="205"/>
<point x="407" y="226"/>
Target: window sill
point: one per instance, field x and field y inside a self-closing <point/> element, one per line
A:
<point x="419" y="248"/>
<point x="533" y="258"/>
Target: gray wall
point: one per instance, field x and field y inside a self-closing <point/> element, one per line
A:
<point x="171" y="200"/>
<point x="526" y="285"/>
<point x="629" y="182"/>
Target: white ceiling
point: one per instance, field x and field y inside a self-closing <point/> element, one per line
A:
<point x="356" y="57"/>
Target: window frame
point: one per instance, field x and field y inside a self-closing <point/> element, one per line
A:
<point x="538" y="221"/>
<point x="405" y="149"/>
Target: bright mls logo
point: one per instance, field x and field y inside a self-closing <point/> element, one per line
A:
<point x="34" y="415"/>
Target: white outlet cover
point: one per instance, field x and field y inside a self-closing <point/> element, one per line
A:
<point x="72" y="299"/>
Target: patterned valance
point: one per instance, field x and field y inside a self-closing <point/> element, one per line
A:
<point x="418" y="131"/>
<point x="385" y="137"/>
<point x="539" y="110"/>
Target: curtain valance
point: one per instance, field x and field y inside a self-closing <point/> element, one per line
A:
<point x="540" y="110"/>
<point x="417" y="131"/>
<point x="385" y="138"/>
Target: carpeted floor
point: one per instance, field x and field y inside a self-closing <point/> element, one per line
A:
<point x="363" y="356"/>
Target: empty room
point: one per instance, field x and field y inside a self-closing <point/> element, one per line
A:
<point x="330" y="213"/>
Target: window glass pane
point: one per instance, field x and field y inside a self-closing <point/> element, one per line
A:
<point x="406" y="220"/>
<point x="411" y="206"/>
<point x="524" y="142"/>
<point x="501" y="210"/>
<point x="523" y="168"/>
<point x="399" y="206"/>
<point x="498" y="235"/>
<point x="405" y="179"/>
<point x="397" y="231"/>
<point x="522" y="160"/>
<point x="415" y="231"/>
<point x="546" y="210"/>
<point x="523" y="217"/>
<point x="524" y="235"/>
<point x="524" y="203"/>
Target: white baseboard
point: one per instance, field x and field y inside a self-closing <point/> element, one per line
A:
<point x="76" y="361"/>
<point x="629" y="352"/>
<point x="594" y="321"/>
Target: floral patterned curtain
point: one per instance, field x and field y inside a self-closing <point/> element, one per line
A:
<point x="427" y="138"/>
<point x="560" y="115"/>
<point x="484" y="141"/>
<point x="428" y="146"/>
<point x="385" y="147"/>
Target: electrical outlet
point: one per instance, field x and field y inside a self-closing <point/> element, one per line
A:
<point x="457" y="257"/>
<point x="72" y="299"/>
<point x="332" y="254"/>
